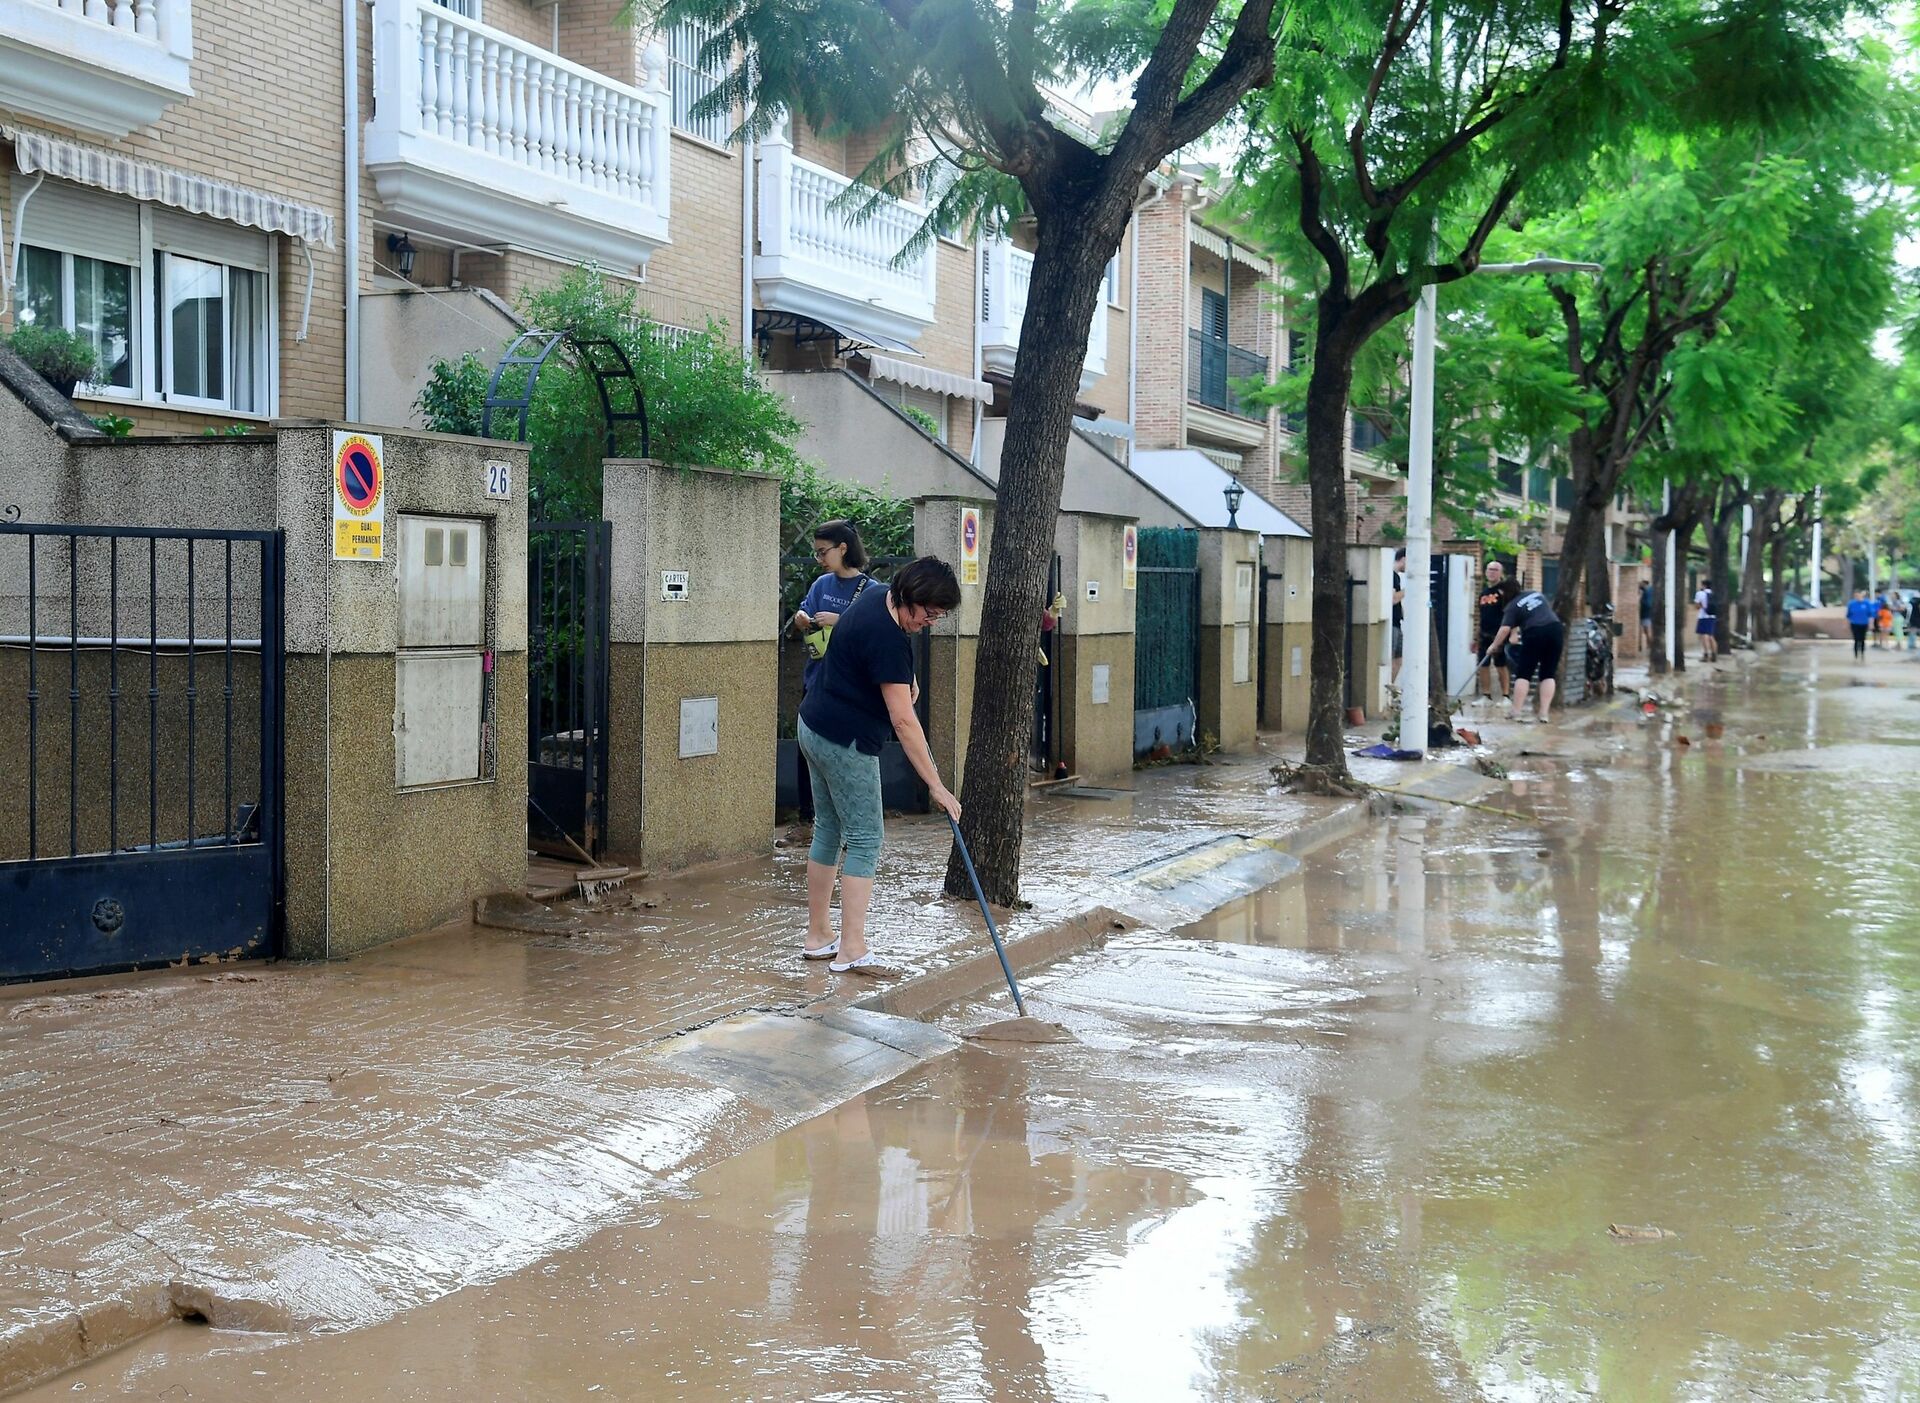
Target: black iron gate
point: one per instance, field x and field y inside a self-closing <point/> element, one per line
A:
<point x="142" y="740"/>
<point x="1046" y="695"/>
<point x="570" y="565"/>
<point x="1166" y="646"/>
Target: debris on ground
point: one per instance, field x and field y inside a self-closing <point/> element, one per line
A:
<point x="1021" y="1030"/>
<point x="1490" y="767"/>
<point x="1631" y="1232"/>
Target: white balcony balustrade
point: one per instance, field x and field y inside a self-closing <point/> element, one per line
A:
<point x="1005" y="275"/>
<point x="104" y="66"/>
<point x="483" y="138"/>
<point x="837" y="264"/>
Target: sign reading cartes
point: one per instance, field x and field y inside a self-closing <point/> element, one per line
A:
<point x="1130" y="557"/>
<point x="969" y="545"/>
<point x="359" y="497"/>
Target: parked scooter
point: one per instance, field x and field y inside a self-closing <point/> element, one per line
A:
<point x="1602" y="628"/>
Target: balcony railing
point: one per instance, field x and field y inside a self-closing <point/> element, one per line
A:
<point x="1213" y="369"/>
<point x="1006" y="274"/>
<point x="482" y="137"/>
<point x="132" y="59"/>
<point x="824" y="254"/>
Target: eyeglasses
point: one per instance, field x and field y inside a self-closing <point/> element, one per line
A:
<point x="935" y="615"/>
<point x="822" y="552"/>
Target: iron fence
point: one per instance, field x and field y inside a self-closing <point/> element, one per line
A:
<point x="1215" y="370"/>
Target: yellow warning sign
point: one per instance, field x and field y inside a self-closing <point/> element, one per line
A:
<point x="357" y="540"/>
<point x="359" y="496"/>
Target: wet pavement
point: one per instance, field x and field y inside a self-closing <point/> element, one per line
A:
<point x="321" y="1146"/>
<point x="1614" y="1098"/>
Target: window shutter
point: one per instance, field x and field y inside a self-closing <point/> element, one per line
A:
<point x="211" y="239"/>
<point x="1213" y="315"/>
<point x="76" y="220"/>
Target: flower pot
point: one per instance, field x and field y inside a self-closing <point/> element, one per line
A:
<point x="1356" y="716"/>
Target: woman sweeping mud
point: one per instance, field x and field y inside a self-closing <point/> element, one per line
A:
<point x="864" y="697"/>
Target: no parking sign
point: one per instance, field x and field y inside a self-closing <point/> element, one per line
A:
<point x="359" y="497"/>
<point x="969" y="545"/>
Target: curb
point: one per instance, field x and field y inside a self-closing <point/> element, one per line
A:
<point x="973" y="970"/>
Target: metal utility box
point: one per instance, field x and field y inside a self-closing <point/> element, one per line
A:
<point x="440" y="672"/>
<point x="443" y="582"/>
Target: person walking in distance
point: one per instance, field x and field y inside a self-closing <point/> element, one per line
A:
<point x="1860" y="616"/>
<point x="865" y="698"/>
<point x="1497" y="594"/>
<point x="1705" y="625"/>
<point x="1539" y="637"/>
<point x="1646" y="616"/>
<point x="1399" y="609"/>
<point x="1897" y="622"/>
<point x="1882" y="617"/>
<point x="1913" y="622"/>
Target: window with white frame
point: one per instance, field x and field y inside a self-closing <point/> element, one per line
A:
<point x="927" y="408"/>
<point x="178" y="309"/>
<point x="94" y="299"/>
<point x="1113" y="280"/>
<point x="467" y="9"/>
<point x="691" y="80"/>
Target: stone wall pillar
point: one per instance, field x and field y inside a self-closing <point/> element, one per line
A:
<point x="1371" y="622"/>
<point x="1093" y="690"/>
<point x="1229" y="586"/>
<point x="695" y="663"/>
<point x="368" y="860"/>
<point x="955" y="642"/>
<point x="1286" y="615"/>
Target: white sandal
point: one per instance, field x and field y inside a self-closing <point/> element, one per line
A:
<point x="859" y="962"/>
<point x="821" y="952"/>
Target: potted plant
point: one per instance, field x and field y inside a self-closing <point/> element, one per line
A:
<point x="63" y="360"/>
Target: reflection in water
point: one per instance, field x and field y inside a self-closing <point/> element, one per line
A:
<point x="1359" y="1136"/>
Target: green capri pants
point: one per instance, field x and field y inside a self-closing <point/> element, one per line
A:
<point x="846" y="804"/>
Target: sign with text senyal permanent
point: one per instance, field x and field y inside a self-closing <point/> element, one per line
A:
<point x="359" y="497"/>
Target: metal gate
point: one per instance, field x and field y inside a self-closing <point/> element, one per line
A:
<point x="143" y="677"/>
<point x="570" y="565"/>
<point x="1166" y="643"/>
<point x="1045" y="750"/>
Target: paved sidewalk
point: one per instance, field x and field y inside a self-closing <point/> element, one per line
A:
<point x="319" y="1146"/>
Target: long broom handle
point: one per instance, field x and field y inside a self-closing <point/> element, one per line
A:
<point x="992" y="930"/>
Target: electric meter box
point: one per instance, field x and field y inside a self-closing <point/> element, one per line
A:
<point x="440" y="670"/>
<point x="443" y="582"/>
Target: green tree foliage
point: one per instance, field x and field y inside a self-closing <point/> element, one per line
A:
<point x="705" y="405"/>
<point x="1397" y="138"/>
<point x="956" y="93"/>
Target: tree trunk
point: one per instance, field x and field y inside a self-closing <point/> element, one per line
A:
<point x="1067" y="272"/>
<point x="1721" y="519"/>
<point x="1327" y="392"/>
<point x="1688" y="509"/>
<point x="1753" y="589"/>
<point x="1585" y="538"/>
<point x="1846" y="578"/>
<point x="1777" y="583"/>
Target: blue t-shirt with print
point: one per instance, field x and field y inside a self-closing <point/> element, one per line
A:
<point x="1861" y="611"/>
<point x="827" y="595"/>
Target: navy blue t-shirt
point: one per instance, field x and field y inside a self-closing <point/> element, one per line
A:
<point x="868" y="650"/>
<point x="1529" y="611"/>
<point x="828" y="595"/>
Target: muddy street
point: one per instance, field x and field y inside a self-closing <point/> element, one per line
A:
<point x="1609" y="1095"/>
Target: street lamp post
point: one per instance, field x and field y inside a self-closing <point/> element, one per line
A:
<point x="1233" y="492"/>
<point x="1415" y="598"/>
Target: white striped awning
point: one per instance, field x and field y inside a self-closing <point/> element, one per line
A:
<point x="1222" y="247"/>
<point x="925" y="377"/>
<point x="36" y="151"/>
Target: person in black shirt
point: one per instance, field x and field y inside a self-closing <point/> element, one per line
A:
<point x="1646" y="616"/>
<point x="1539" y="636"/>
<point x="863" y="699"/>
<point x="1499" y="593"/>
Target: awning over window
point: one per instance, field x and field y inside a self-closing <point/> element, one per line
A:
<point x="1221" y="247"/>
<point x="57" y="156"/>
<point x="925" y="377"/>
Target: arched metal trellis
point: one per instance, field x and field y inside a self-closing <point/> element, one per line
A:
<point x="511" y="387"/>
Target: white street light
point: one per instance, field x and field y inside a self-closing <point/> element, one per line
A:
<point x="1416" y="597"/>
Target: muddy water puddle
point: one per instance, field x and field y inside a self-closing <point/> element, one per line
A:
<point x="1615" y="1100"/>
